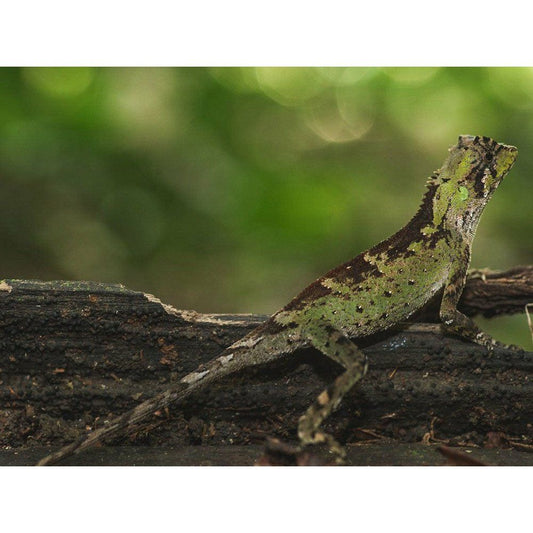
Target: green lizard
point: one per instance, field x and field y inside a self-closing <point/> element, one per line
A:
<point x="375" y="291"/>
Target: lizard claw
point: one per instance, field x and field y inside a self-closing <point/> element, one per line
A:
<point x="491" y="344"/>
<point x="279" y="453"/>
<point x="511" y="347"/>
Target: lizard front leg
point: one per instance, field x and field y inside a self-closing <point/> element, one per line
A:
<point x="334" y="344"/>
<point x="456" y="322"/>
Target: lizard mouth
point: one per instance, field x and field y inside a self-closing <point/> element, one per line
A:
<point x="506" y="155"/>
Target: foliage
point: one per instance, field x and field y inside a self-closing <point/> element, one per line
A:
<point x="227" y="190"/>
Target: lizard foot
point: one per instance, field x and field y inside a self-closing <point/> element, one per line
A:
<point x="322" y="441"/>
<point x="279" y="453"/>
<point x="491" y="344"/>
<point x="322" y="451"/>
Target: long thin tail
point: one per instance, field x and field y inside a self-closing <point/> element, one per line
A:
<point x="123" y="423"/>
<point x="255" y="348"/>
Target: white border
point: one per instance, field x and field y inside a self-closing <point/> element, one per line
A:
<point x="265" y="499"/>
<point x="277" y="32"/>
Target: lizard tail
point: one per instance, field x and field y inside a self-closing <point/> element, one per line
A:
<point x="233" y="359"/>
<point x="121" y="423"/>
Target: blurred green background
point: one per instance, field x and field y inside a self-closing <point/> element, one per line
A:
<point x="230" y="189"/>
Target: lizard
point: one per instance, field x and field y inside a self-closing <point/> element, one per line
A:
<point x="377" y="290"/>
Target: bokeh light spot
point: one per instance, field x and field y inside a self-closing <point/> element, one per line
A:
<point x="434" y="117"/>
<point x="357" y="106"/>
<point x="411" y="76"/>
<point x="145" y="105"/>
<point x="64" y="82"/>
<point x="513" y="86"/>
<point x="239" y="79"/>
<point x="327" y="122"/>
<point x="341" y="76"/>
<point x="290" y="86"/>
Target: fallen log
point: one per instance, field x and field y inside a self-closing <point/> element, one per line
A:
<point x="74" y="354"/>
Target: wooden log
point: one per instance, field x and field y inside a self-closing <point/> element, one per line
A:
<point x="73" y="354"/>
<point x="382" y="453"/>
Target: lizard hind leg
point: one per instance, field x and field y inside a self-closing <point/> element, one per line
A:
<point x="334" y="344"/>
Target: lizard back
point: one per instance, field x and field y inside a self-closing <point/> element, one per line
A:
<point x="388" y="283"/>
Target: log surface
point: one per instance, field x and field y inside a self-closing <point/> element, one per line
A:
<point x="73" y="354"/>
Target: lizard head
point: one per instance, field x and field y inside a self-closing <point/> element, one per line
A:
<point x="480" y="164"/>
<point x="471" y="173"/>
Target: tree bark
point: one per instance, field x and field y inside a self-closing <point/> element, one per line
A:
<point x="73" y="354"/>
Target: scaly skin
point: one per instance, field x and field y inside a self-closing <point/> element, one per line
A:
<point x="372" y="293"/>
